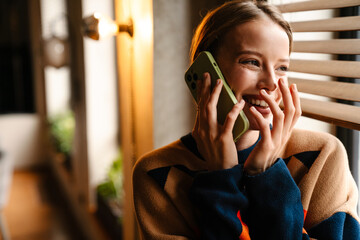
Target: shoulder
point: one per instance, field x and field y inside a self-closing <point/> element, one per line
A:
<point x="305" y="140"/>
<point x="317" y="151"/>
<point x="173" y="154"/>
<point x="307" y="135"/>
<point x="159" y="157"/>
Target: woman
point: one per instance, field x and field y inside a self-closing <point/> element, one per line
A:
<point x="275" y="182"/>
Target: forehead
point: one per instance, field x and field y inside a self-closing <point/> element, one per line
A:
<point x="259" y="35"/>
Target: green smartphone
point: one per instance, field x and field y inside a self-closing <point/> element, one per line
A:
<point x="205" y="62"/>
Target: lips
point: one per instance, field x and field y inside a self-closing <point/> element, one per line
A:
<point x="259" y="104"/>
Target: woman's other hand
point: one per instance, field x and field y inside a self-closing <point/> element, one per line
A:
<point x="273" y="140"/>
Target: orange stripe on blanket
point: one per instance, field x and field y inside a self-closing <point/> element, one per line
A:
<point x="245" y="229"/>
<point x="305" y="212"/>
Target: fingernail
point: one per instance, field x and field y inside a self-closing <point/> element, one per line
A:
<point x="294" y="87"/>
<point x="240" y="103"/>
<point x="218" y="81"/>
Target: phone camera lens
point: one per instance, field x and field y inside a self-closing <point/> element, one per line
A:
<point x="188" y="77"/>
<point x="195" y="76"/>
<point x="193" y="85"/>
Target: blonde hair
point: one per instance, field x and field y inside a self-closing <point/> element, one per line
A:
<point x="219" y="21"/>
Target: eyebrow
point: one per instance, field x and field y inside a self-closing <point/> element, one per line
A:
<point x="287" y="60"/>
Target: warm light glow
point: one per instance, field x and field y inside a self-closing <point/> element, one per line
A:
<point x="98" y="26"/>
<point x="97" y="15"/>
<point x="145" y="27"/>
<point x="107" y="27"/>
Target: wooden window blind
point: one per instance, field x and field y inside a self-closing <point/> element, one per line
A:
<point x="329" y="111"/>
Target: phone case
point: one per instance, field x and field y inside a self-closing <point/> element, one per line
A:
<point x="205" y="62"/>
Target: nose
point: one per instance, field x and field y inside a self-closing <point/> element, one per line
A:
<point x="268" y="80"/>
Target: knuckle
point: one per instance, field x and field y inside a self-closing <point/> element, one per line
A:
<point x="208" y="108"/>
<point x="213" y="137"/>
<point x="202" y="134"/>
<point x="238" y="107"/>
<point x="279" y="114"/>
<point x="298" y="113"/>
<point x="231" y="117"/>
<point x="264" y="124"/>
<point x="291" y="110"/>
<point x="222" y="138"/>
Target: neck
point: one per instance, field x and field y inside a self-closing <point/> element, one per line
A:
<point x="247" y="139"/>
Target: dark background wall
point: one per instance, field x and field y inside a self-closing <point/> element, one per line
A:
<point x="16" y="79"/>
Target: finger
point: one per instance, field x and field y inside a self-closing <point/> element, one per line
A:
<point x="289" y="108"/>
<point x="278" y="115"/>
<point x="197" y="122"/>
<point x="204" y="97"/>
<point x="213" y="101"/>
<point x="198" y="90"/>
<point x="198" y="95"/>
<point x="262" y="123"/>
<point x="204" y="94"/>
<point x="297" y="103"/>
<point x="232" y="116"/>
<point x="206" y="85"/>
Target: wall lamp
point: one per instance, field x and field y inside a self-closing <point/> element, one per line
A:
<point x="98" y="26"/>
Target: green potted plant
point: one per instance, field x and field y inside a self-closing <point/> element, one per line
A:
<point x="62" y="127"/>
<point x="110" y="196"/>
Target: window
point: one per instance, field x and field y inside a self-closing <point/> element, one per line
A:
<point x="335" y="74"/>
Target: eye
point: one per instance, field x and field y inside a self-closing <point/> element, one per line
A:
<point x="283" y="68"/>
<point x="251" y="62"/>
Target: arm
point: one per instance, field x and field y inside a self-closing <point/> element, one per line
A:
<point x="331" y="213"/>
<point x="157" y="214"/>
<point x="235" y="206"/>
<point x="275" y="210"/>
<point x="220" y="202"/>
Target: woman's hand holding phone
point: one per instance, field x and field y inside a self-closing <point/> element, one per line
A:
<point x="273" y="140"/>
<point x="214" y="141"/>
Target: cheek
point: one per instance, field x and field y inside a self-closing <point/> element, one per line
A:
<point x="277" y="96"/>
<point x="240" y="82"/>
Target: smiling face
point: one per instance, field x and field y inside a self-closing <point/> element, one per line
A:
<point x="254" y="56"/>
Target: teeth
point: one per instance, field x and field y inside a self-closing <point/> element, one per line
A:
<point x="258" y="102"/>
<point x="263" y="104"/>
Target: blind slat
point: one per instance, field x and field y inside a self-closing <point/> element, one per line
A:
<point x="347" y="116"/>
<point x="327" y="25"/>
<point x="336" y="113"/>
<point x="333" y="68"/>
<point x="316" y="5"/>
<point x="334" y="46"/>
<point x="338" y="90"/>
